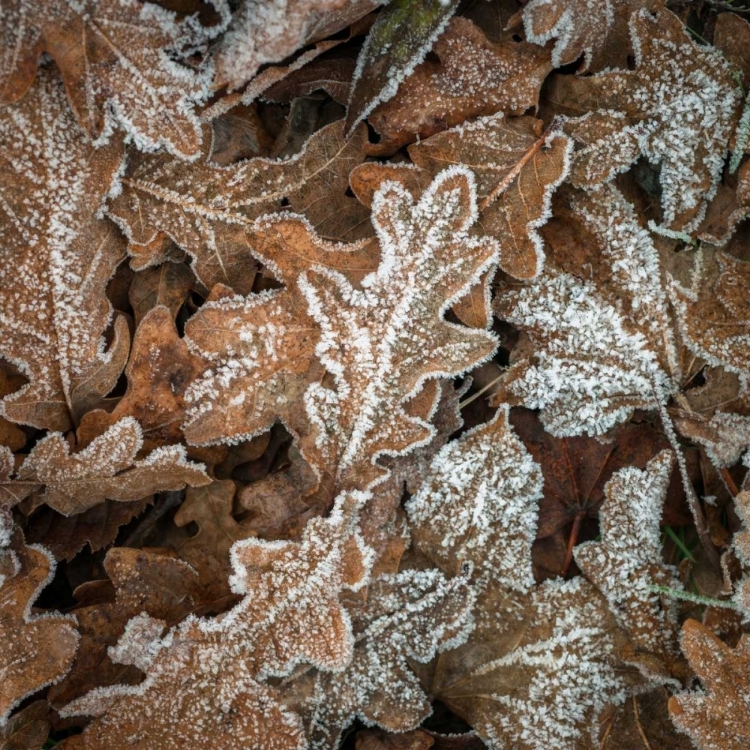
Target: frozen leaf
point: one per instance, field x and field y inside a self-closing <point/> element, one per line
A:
<point x="202" y="686"/>
<point x="57" y="259"/>
<point x="106" y="469"/>
<point x="596" y="30"/>
<point x="35" y="650"/>
<point x="725" y="436"/>
<point x="678" y="109"/>
<point x="627" y="562"/>
<point x="265" y="32"/>
<point x="517" y="167"/>
<point x="479" y="506"/>
<point x="601" y="352"/>
<point x="114" y="58"/>
<point x="143" y="582"/>
<point x="727" y="210"/>
<point x="717" y="717"/>
<point x="159" y="371"/>
<point x="208" y="210"/>
<point x="473" y="76"/>
<point x="408" y="616"/>
<point x="716" y="321"/>
<point x="28" y="729"/>
<point x="381" y="343"/>
<point x="539" y="671"/>
<point x="398" y="41"/>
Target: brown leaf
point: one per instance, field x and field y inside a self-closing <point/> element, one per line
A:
<point x="36" y="650"/>
<point x="728" y="209"/>
<point x="28" y="729"/>
<point x="208" y="209"/>
<point x="716" y="716"/>
<point x="113" y="59"/>
<point x="376" y="739"/>
<point x="106" y="469"/>
<point x="332" y="75"/>
<point x="53" y="292"/>
<point x="168" y="284"/>
<point x="474" y="76"/>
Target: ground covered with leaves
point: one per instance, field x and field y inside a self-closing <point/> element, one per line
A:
<point x="374" y="376"/>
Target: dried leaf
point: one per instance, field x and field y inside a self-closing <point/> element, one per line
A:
<point x="36" y="650"/>
<point x="106" y="469"/>
<point x="114" y="59"/>
<point x="53" y="291"/>
<point x="169" y="285"/>
<point x="28" y="729"/>
<point x="474" y="76"/>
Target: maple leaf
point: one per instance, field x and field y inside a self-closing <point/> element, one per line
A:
<point x="601" y="352"/>
<point x="716" y="323"/>
<point x="517" y="168"/>
<point x="716" y="717"/>
<point x="481" y="489"/>
<point x="627" y="563"/>
<point x="143" y="582"/>
<point x="409" y="616"/>
<point x="262" y="33"/>
<point x="596" y="30"/>
<point x="52" y="293"/>
<point x="677" y="108"/>
<point x="473" y="76"/>
<point x="207" y="209"/>
<point x="37" y="650"/>
<point x="113" y="56"/>
<point x="202" y="683"/>
<point x="106" y="468"/>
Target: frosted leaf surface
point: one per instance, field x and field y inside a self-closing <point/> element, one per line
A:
<point x="410" y="615"/>
<point x="741" y="544"/>
<point x="57" y="258"/>
<point x="715" y="322"/>
<point x="678" y="109"/>
<point x="115" y="62"/>
<point x="594" y="29"/>
<point x="208" y="210"/>
<point x="517" y="168"/>
<point x="203" y="686"/>
<point x="538" y="671"/>
<point x="716" y="717"/>
<point x="603" y="346"/>
<point x="725" y="436"/>
<point x="473" y="76"/>
<point x="382" y="342"/>
<point x="479" y="506"/>
<point x="106" y="468"/>
<point x="628" y="559"/>
<point x="35" y="650"/>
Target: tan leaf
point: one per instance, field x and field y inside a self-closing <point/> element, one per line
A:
<point x="52" y="293"/>
<point x="106" y="469"/>
<point x="208" y="209"/>
<point x="678" y="109"/>
<point x="728" y="209"/>
<point x="716" y="322"/>
<point x="627" y="563"/>
<point x="596" y="30"/>
<point x="168" y="284"/>
<point x="113" y="55"/>
<point x="142" y="581"/>
<point x="202" y="686"/>
<point x="717" y="716"/>
<point x="35" y="650"/>
<point x="474" y="76"/>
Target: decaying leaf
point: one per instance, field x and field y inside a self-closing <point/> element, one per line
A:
<point x="57" y="259"/>
<point x="106" y="468"/>
<point x="35" y="650"/>
<point x="677" y="108"/>
<point x="114" y="59"/>
<point x="716" y="717"/>
<point x="203" y="680"/>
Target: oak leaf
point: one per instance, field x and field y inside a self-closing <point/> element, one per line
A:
<point x="207" y="209"/>
<point x="472" y="77"/>
<point x="106" y="469"/>
<point x="716" y="717"/>
<point x="678" y="109"/>
<point x="113" y="56"/>
<point x="52" y="293"/>
<point x="35" y="650"/>
<point x="203" y="685"/>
